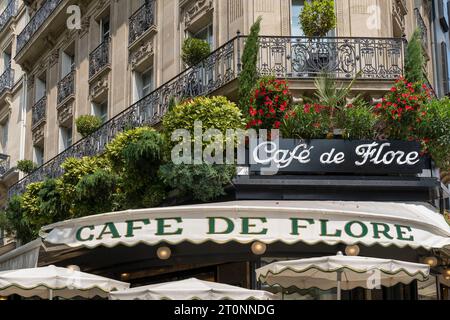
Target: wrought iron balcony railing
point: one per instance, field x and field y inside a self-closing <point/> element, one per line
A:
<point x="99" y="58"/>
<point x="39" y="18"/>
<point x="141" y="20"/>
<point x="8" y="13"/>
<point x="66" y="86"/>
<point x="6" y="80"/>
<point x="422" y="27"/>
<point x="5" y="164"/>
<point x="39" y="111"/>
<point x="285" y="57"/>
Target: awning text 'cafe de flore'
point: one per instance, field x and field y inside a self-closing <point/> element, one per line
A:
<point x="358" y="197"/>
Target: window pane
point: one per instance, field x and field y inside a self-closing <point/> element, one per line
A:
<point x="297" y="8"/>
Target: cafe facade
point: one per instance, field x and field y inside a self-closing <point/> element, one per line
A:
<point x="291" y="200"/>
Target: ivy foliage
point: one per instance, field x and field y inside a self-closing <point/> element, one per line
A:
<point x="187" y="179"/>
<point x="134" y="172"/>
<point x="249" y="74"/>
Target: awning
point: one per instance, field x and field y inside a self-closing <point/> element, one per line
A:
<point x="290" y="222"/>
<point x="24" y="257"/>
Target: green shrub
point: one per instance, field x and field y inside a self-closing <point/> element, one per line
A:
<point x="214" y="113"/>
<point x="26" y="166"/>
<point x="15" y="223"/>
<point x="114" y="150"/>
<point x="88" y="124"/>
<point x="414" y="59"/>
<point x="249" y="74"/>
<point x="358" y="121"/>
<point x="201" y="182"/>
<point x="95" y="194"/>
<point x="194" y="51"/>
<point x="318" y="18"/>
<point x="433" y="129"/>
<point x="306" y="122"/>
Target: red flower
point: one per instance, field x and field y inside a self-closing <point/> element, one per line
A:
<point x="277" y="124"/>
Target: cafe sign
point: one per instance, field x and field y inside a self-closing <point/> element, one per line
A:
<point x="337" y="156"/>
<point x="246" y="226"/>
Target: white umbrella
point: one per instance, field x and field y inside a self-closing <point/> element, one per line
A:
<point x="341" y="272"/>
<point x="51" y="281"/>
<point x="191" y="289"/>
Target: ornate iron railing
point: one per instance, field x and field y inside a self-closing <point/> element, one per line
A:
<point x="6" y="80"/>
<point x="300" y="57"/>
<point x="141" y="20"/>
<point x="99" y="58"/>
<point x="66" y="87"/>
<point x="8" y="13"/>
<point x="39" y="111"/>
<point x="282" y="56"/>
<point x="422" y="27"/>
<point x="5" y="164"/>
<point x="39" y="18"/>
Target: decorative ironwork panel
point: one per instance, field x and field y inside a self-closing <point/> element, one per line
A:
<point x="8" y="13"/>
<point x="5" y="164"/>
<point x="36" y="22"/>
<point x="141" y="20"/>
<point x="6" y="80"/>
<point x="344" y="58"/>
<point x="99" y="58"/>
<point x="39" y="111"/>
<point x="66" y="87"/>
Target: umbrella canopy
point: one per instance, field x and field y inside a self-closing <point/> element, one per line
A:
<point x="191" y="289"/>
<point x="351" y="272"/>
<point x="52" y="281"/>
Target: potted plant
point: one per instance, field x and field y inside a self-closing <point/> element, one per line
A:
<point x="317" y="19"/>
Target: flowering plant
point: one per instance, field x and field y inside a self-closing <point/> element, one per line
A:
<point x="400" y="108"/>
<point x="269" y="103"/>
<point x="309" y="121"/>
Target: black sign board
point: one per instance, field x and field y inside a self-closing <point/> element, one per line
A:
<point x="337" y="156"/>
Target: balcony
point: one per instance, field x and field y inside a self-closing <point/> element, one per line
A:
<point x="99" y="60"/>
<point x="44" y="27"/>
<point x="142" y="22"/>
<point x="378" y="61"/>
<point x="7" y="14"/>
<point x="6" y="82"/>
<point x="66" y="87"/>
<point x="39" y="112"/>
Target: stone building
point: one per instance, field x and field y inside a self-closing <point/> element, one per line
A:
<point x="120" y="60"/>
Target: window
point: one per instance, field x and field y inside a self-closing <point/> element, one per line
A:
<point x="41" y="88"/>
<point x="441" y="16"/>
<point x="105" y="29"/>
<point x="67" y="62"/>
<point x="445" y="68"/>
<point x="65" y="138"/>
<point x="100" y="110"/>
<point x="38" y="155"/>
<point x="206" y="34"/>
<point x="4" y="127"/>
<point x="297" y="8"/>
<point x="143" y="84"/>
<point x="6" y="60"/>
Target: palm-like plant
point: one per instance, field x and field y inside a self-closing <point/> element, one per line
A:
<point x="329" y="94"/>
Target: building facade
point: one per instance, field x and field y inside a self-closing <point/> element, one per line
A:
<point x="120" y="60"/>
